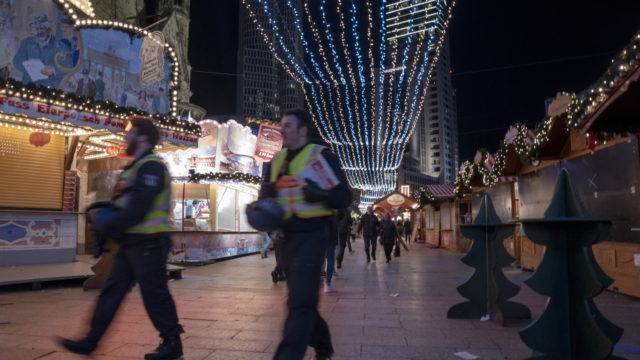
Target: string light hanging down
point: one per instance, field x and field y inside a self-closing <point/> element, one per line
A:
<point x="365" y="85"/>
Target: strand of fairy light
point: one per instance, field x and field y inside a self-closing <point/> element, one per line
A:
<point x="381" y="85"/>
<point x="358" y="180"/>
<point x="346" y="156"/>
<point x="343" y="81"/>
<point x="330" y="89"/>
<point x="382" y="175"/>
<point x="287" y="55"/>
<point x="363" y="82"/>
<point x="352" y="74"/>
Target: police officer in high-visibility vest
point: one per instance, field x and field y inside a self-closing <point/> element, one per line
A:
<point x="307" y="211"/>
<point x="139" y="222"/>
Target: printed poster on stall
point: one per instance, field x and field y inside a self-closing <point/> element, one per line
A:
<point x="269" y="142"/>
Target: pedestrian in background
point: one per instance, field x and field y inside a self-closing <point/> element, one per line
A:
<point x="344" y="227"/>
<point x="332" y="236"/>
<point x="388" y="235"/>
<point x="266" y="243"/>
<point x="407" y="230"/>
<point x="369" y="229"/>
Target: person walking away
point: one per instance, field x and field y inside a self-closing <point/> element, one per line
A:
<point x="388" y="235"/>
<point x="407" y="230"/>
<point x="354" y="232"/>
<point x="369" y="229"/>
<point x="396" y="251"/>
<point x="344" y="227"/>
<point x="332" y="238"/>
<point x="278" y="272"/>
<point x="266" y="243"/>
<point x="140" y="224"/>
<point x="308" y="208"/>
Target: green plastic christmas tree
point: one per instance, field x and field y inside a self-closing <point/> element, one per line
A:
<point x="571" y="327"/>
<point x="488" y="289"/>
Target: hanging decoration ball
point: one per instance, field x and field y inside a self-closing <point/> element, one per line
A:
<point x="39" y="139"/>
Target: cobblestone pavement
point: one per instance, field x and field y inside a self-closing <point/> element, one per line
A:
<point x="231" y="310"/>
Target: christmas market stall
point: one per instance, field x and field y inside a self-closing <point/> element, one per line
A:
<point x="212" y="185"/>
<point x="441" y="213"/>
<point x="67" y="86"/>
<point x="592" y="134"/>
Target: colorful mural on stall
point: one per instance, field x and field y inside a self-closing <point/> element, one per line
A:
<point x="20" y="234"/>
<point x="39" y="44"/>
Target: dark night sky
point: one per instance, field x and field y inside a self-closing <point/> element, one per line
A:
<point x="507" y="57"/>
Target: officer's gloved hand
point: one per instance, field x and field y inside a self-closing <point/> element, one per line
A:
<point x="313" y="192"/>
<point x="267" y="190"/>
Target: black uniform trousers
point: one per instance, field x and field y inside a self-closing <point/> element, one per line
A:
<point x="304" y="253"/>
<point x="370" y="242"/>
<point x="145" y="263"/>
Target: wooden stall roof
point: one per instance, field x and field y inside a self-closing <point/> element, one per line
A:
<point x="558" y="137"/>
<point x="621" y="111"/>
<point x="513" y="163"/>
<point x="407" y="203"/>
<point x="441" y="191"/>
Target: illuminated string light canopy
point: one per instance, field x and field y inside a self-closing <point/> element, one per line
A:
<point x="364" y="87"/>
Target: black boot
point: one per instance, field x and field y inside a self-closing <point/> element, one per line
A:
<point x="169" y="349"/>
<point x="82" y="347"/>
<point x="274" y="276"/>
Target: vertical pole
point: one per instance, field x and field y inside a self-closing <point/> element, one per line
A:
<point x="184" y="185"/>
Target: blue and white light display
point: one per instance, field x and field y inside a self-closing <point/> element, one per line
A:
<point x="364" y="90"/>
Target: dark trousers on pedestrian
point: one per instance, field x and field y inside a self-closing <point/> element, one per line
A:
<point x="146" y="264"/>
<point x="407" y="237"/>
<point x="370" y="243"/>
<point x="388" y="248"/>
<point x="303" y="257"/>
<point x="343" y="240"/>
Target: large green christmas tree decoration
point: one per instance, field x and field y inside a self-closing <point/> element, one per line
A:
<point x="488" y="289"/>
<point x="571" y="327"/>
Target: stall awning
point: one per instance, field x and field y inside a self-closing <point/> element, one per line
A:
<point x="396" y="200"/>
<point x="441" y="190"/>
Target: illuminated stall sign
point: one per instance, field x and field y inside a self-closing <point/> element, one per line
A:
<point x="222" y="148"/>
<point x="269" y="142"/>
<point x="39" y="44"/>
<point x="60" y="114"/>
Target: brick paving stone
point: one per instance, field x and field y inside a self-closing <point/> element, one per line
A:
<point x="232" y="311"/>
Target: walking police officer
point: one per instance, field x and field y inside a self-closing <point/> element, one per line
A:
<point x="139" y="222"/>
<point x="307" y="211"/>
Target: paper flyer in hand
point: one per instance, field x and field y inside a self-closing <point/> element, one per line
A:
<point x="319" y="170"/>
<point x="34" y="67"/>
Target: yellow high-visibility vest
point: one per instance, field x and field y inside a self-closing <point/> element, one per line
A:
<point x="157" y="219"/>
<point x="289" y="187"/>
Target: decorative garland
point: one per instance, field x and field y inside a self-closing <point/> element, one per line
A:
<point x="45" y="94"/>
<point x="423" y="196"/>
<point x="220" y="176"/>
<point x="625" y="62"/>
<point x="580" y="108"/>
<point x="252" y="120"/>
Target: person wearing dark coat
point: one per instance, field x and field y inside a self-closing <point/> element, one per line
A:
<point x="407" y="230"/>
<point x="369" y="229"/>
<point x="344" y="227"/>
<point x="388" y="235"/>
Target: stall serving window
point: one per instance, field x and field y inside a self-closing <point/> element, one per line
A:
<point x="209" y="207"/>
<point x="32" y="166"/>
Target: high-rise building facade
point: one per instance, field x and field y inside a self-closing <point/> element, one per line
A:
<point x="264" y="89"/>
<point x="434" y="141"/>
